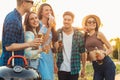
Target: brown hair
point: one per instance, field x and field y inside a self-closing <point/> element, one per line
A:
<point x="40" y="17"/>
<point x="41" y="9"/>
<point x="69" y="13"/>
<point x="97" y="19"/>
<point x="27" y="25"/>
<point x="19" y="2"/>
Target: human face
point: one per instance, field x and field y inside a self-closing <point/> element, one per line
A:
<point x="91" y="23"/>
<point x="33" y="20"/>
<point x="29" y="4"/>
<point x="46" y="11"/>
<point x="67" y="21"/>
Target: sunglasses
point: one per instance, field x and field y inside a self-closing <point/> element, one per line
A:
<point x="29" y="1"/>
<point x="91" y="22"/>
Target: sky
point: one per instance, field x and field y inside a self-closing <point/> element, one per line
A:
<point x="107" y="10"/>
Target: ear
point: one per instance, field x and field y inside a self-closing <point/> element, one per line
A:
<point x="24" y="3"/>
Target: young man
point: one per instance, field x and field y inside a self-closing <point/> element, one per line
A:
<point x="71" y="52"/>
<point x="13" y="33"/>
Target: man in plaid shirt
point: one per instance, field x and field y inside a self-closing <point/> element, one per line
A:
<point x="13" y="33"/>
<point x="71" y="52"/>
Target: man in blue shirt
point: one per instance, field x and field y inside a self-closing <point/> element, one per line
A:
<point x="13" y="33"/>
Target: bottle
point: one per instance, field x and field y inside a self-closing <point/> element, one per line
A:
<point x="60" y="39"/>
<point x="60" y="42"/>
<point x="100" y="62"/>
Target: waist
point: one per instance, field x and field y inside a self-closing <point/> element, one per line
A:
<point x="105" y="60"/>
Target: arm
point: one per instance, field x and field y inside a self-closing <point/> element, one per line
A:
<point x="11" y="38"/>
<point x="106" y="43"/>
<point x="29" y="53"/>
<point x="83" y="59"/>
<point x="20" y="46"/>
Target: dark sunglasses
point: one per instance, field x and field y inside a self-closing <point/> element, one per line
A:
<point x="29" y="1"/>
<point x="91" y="22"/>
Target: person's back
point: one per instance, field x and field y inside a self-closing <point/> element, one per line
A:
<point x="13" y="33"/>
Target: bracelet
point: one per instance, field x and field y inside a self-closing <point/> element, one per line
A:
<point x="105" y="54"/>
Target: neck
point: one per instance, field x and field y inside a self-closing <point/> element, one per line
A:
<point x="20" y="10"/>
<point x="45" y="21"/>
<point x="91" y="32"/>
<point x="34" y="31"/>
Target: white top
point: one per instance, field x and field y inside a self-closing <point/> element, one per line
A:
<point x="67" y="41"/>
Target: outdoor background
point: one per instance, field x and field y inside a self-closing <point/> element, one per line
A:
<point x="107" y="10"/>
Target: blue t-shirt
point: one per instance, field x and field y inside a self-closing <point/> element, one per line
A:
<point x="12" y="33"/>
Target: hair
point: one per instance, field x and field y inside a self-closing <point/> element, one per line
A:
<point x="97" y="19"/>
<point x="19" y="2"/>
<point x="84" y="23"/>
<point x="41" y="9"/>
<point x="40" y="17"/>
<point x="27" y="25"/>
<point x="69" y="13"/>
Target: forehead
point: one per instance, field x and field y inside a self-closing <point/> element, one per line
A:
<point x="90" y="18"/>
<point x="33" y="14"/>
<point x="67" y="17"/>
<point x="46" y="7"/>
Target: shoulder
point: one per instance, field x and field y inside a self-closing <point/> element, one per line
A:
<point x="77" y="31"/>
<point x="12" y="20"/>
<point x="29" y="33"/>
<point x="100" y="35"/>
<point x="29" y="36"/>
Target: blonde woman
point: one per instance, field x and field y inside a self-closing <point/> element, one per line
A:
<point x="98" y="49"/>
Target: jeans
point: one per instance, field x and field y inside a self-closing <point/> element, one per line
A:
<point x="62" y="75"/>
<point x="106" y="71"/>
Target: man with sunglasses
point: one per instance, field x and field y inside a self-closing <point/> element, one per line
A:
<point x="13" y="33"/>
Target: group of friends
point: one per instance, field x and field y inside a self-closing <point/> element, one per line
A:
<point x="63" y="51"/>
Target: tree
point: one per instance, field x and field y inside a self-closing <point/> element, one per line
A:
<point x="37" y="4"/>
<point x="116" y="48"/>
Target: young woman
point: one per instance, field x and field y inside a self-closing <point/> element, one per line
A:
<point x="32" y="28"/>
<point x="98" y="49"/>
<point x="47" y="28"/>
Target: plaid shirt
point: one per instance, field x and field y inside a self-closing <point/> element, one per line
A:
<point x="12" y="33"/>
<point x="78" y="47"/>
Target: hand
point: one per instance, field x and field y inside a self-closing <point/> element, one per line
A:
<point x="82" y="73"/>
<point x="35" y="42"/>
<point x="101" y="55"/>
<point x="51" y="21"/>
<point x="56" y="45"/>
<point x="55" y="68"/>
<point x="46" y="48"/>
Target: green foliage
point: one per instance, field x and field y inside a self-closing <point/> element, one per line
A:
<point x="117" y="68"/>
<point x="37" y="5"/>
<point x="115" y="54"/>
<point x="116" y="47"/>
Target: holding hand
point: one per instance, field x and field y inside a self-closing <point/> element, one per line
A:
<point x="51" y="21"/>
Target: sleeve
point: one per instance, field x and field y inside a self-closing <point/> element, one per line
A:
<point x="29" y="52"/>
<point x="82" y="43"/>
<point x="10" y="33"/>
